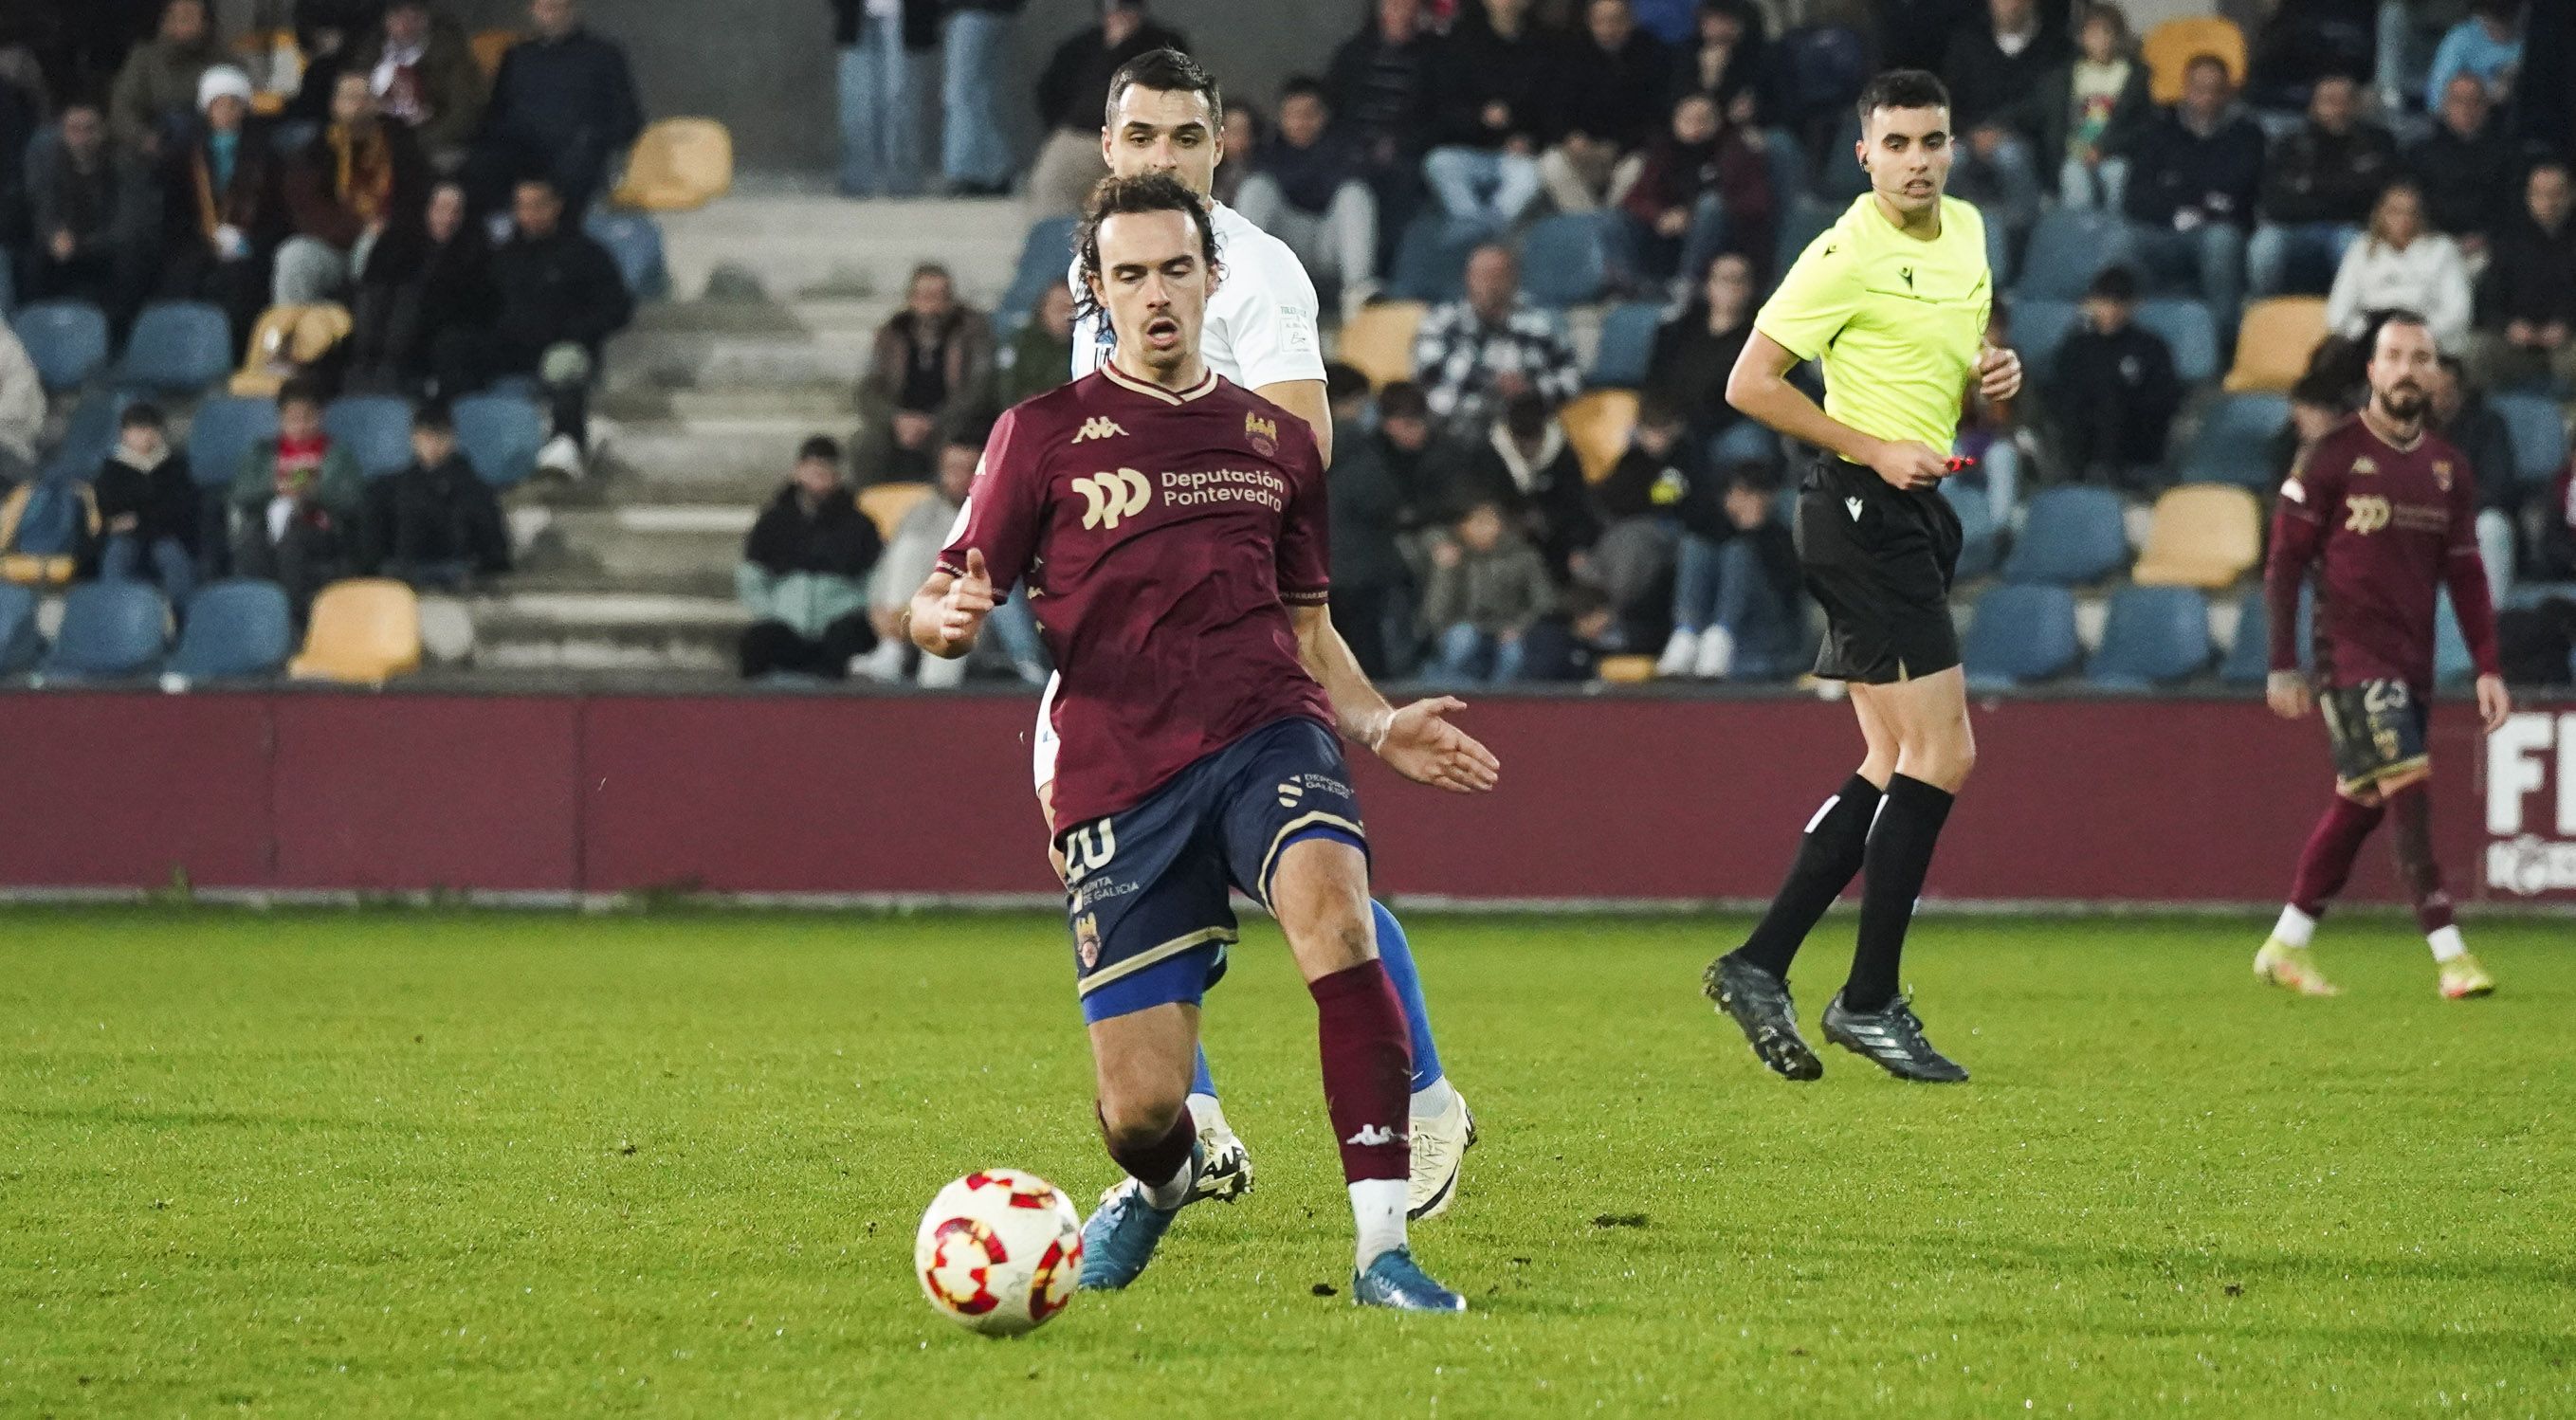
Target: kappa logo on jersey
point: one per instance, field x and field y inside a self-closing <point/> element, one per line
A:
<point x="1099" y="428"/>
<point x="1263" y="435"/>
<point x="1109" y="499"/>
<point x="2365" y="514"/>
<point x="2364" y="465"/>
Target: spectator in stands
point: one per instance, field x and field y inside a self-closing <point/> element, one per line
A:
<point x="1073" y="95"/>
<point x="1305" y="187"/>
<point x="221" y="217"/>
<point x="1523" y="464"/>
<point x="2526" y="298"/>
<point x="156" y="91"/>
<point x="92" y="211"/>
<point x="1916" y="34"/>
<point x="297" y="502"/>
<point x="2114" y="392"/>
<point x="428" y="332"/>
<point x="324" y="48"/>
<point x="1477" y="354"/>
<point x="1370" y="508"/>
<point x="885" y="71"/>
<point x="1696" y="349"/>
<point x="2319" y="182"/>
<point x="931" y="372"/>
<point x="1699" y="190"/>
<point x="804" y="574"/>
<point x="356" y="192"/>
<point x="558" y="297"/>
<point x="2087" y="111"/>
<point x="1656" y="492"/>
<point x="2397" y="265"/>
<point x="22" y="409"/>
<point x="1382" y="95"/>
<point x="1403" y="443"/>
<point x="147" y="507"/>
<point x="1487" y="586"/>
<point x="442" y="523"/>
<point x="2461" y="413"/>
<point x="975" y="150"/>
<point x="1990" y="70"/>
<point x="1240" y="134"/>
<point x="1736" y="608"/>
<point x="2193" y="178"/>
<point x="1492" y="97"/>
<point x="2487" y="46"/>
<point x="1726" y="57"/>
<point x="563" y="106"/>
<point x="1608" y="90"/>
<point x="910" y="555"/>
<point x="2465" y="166"/>
<point x="23" y="112"/>
<point x="1041" y="354"/>
<point x="424" y="76"/>
<point x="2317" y="403"/>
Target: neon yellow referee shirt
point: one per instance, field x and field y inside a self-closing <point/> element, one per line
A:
<point x="1896" y="321"/>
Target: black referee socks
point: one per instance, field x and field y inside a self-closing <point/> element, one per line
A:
<point x="1828" y="857"/>
<point x="1899" y="856"/>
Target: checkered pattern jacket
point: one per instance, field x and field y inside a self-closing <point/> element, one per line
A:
<point x="1458" y="357"/>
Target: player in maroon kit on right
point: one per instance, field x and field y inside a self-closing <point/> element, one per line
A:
<point x="2386" y="511"/>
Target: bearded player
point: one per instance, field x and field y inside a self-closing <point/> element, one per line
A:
<point x="2384" y="511"/>
<point x="1178" y="570"/>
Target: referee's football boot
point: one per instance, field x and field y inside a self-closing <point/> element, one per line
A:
<point x="1120" y="1238"/>
<point x="1893" y="1037"/>
<point x="1759" y="1004"/>
<point x="1395" y="1281"/>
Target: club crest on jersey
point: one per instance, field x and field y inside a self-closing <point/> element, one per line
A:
<point x="1086" y="940"/>
<point x="1263" y="434"/>
<point x="2442" y="474"/>
<point x="1099" y="428"/>
<point x="1111" y="498"/>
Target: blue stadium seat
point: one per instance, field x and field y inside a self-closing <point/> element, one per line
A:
<point x="1431" y="259"/>
<point x="1821" y="68"/>
<point x="2249" y="660"/>
<point x="375" y="427"/>
<point x="1745" y="441"/>
<point x="66" y="339"/>
<point x="500" y="435"/>
<point x="2186" y="326"/>
<point x="634" y="241"/>
<point x="1045" y="256"/>
<point x="2020" y="634"/>
<point x="2070" y="536"/>
<point x="2068" y="247"/>
<point x="221" y="434"/>
<point x="1565" y="259"/>
<point x="2039" y="327"/>
<point x="2155" y="636"/>
<point x="20" y="642"/>
<point x="1981" y="543"/>
<point x="2452" y="663"/>
<point x="110" y="629"/>
<point x="236" y="630"/>
<point x="89" y="435"/>
<point x="2234" y="444"/>
<point x="2539" y="434"/>
<point x="1802" y="221"/>
<point x="177" y="348"/>
<point x="1786" y="158"/>
<point x="1627" y="345"/>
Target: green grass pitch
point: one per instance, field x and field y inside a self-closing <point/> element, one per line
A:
<point x="420" y="1163"/>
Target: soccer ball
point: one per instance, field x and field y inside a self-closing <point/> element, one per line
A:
<point x="998" y="1251"/>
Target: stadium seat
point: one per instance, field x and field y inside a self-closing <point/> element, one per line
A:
<point x="109" y="629"/>
<point x="1378" y="342"/>
<point x="89" y="435"/>
<point x="20" y="642"/>
<point x="500" y="435"/>
<point x="634" y="242"/>
<point x="677" y="165"/>
<point x="2274" y="341"/>
<point x="44" y="525"/>
<point x="2204" y="535"/>
<point x="2020" y="634"/>
<point x="2234" y="442"/>
<point x="1431" y="259"/>
<point x="1627" y="344"/>
<point x="1598" y="425"/>
<point x="364" y="632"/>
<point x="177" y="348"/>
<point x="1565" y="260"/>
<point x="67" y="340"/>
<point x="2452" y="663"/>
<point x="2185" y="325"/>
<point x="2071" y="536"/>
<point x="2539" y="433"/>
<point x="284" y="339"/>
<point x="2249" y="660"/>
<point x="2039" y="328"/>
<point x="1626" y="670"/>
<point x="236" y="630"/>
<point x="1045" y="255"/>
<point x="2170" y="47"/>
<point x="1801" y="222"/>
<point x="221" y="434"/>
<point x="1821" y="68"/>
<point x="490" y="46"/>
<point x="377" y="429"/>
<point x="2068" y="247"/>
<point x="2155" y="636"/>
<point x="1980" y="540"/>
<point x="1786" y="159"/>
<point x="886" y="504"/>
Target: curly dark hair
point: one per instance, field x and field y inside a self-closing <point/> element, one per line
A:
<point x="1129" y="197"/>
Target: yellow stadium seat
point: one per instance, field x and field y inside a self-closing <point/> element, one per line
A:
<point x="2274" y="342"/>
<point x="2171" y="46"/>
<point x="1627" y="670"/>
<point x="287" y="340"/>
<point x="678" y="165"/>
<point x="364" y="632"/>
<point x="1598" y="425"/>
<point x="1378" y="342"/>
<point x="887" y="503"/>
<point x="490" y="45"/>
<point x="2205" y="535"/>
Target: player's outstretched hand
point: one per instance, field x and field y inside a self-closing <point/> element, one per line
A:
<point x="969" y="601"/>
<point x="1907" y="464"/>
<point x="1423" y="746"/>
<point x="2287" y="693"/>
<point x="2494" y="703"/>
<point x="1998" y="373"/>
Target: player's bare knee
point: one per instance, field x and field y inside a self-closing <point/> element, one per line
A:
<point x="1132" y="1118"/>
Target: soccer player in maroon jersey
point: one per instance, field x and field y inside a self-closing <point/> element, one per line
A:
<point x="1170" y="528"/>
<point x="2385" y="511"/>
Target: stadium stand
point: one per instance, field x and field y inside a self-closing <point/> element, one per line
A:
<point x="2020" y="634"/>
<point x="2171" y="46"/>
<point x="177" y="348"/>
<point x="375" y="427"/>
<point x="1566" y="260"/>
<point x="677" y="165"/>
<point x="1627" y="344"/>
<point x="235" y="630"/>
<point x="2203" y="535"/>
<point x="2232" y="442"/>
<point x="21" y="643"/>
<point x="363" y="632"/>
<point x="2155" y="636"/>
<point x="1378" y="342"/>
<point x="109" y="629"/>
<point x="2071" y="537"/>
<point x="67" y="340"/>
<point x="2273" y="343"/>
<point x="1598" y="425"/>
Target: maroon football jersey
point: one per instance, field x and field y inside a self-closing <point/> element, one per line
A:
<point x="1162" y="538"/>
<point x="2387" y="529"/>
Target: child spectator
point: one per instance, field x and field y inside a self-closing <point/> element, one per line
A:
<point x="220" y="217"/>
<point x="1699" y="190"/>
<point x="2115" y="392"/>
<point x="1565" y="646"/>
<point x="442" y="524"/>
<point x="1736" y="613"/>
<point x="297" y="502"/>
<point x="2400" y="266"/>
<point x="148" y="508"/>
<point x="1487" y="586"/>
<point x="1523" y="465"/>
<point x="2526" y="298"/>
<point x="804" y="574"/>
<point x="2087" y="111"/>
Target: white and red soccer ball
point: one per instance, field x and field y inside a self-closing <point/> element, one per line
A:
<point x="998" y="1251"/>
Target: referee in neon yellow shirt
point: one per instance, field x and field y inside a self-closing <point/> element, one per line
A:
<point x="1892" y="301"/>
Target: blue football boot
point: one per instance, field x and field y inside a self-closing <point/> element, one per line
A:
<point x="1395" y="1282"/>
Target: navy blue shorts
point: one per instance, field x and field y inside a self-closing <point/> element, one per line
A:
<point x="1150" y="909"/>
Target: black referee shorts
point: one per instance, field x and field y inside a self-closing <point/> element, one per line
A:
<point x="1879" y="560"/>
